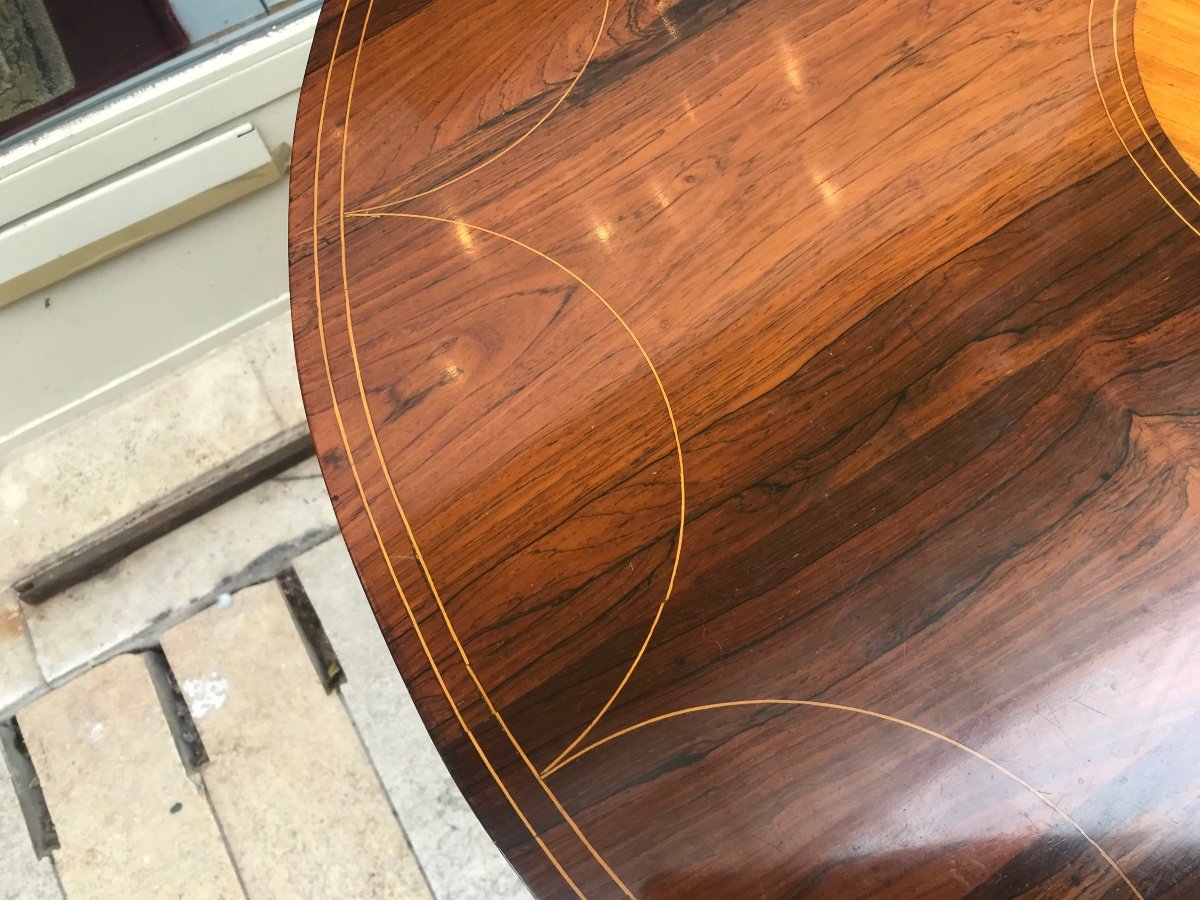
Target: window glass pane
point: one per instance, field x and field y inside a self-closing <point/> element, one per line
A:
<point x="56" y="53"/>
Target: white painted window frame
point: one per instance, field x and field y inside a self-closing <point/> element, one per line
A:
<point x="152" y="117"/>
<point x="58" y="162"/>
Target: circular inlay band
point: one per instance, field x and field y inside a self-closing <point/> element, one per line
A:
<point x="1166" y="42"/>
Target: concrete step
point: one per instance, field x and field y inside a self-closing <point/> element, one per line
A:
<point x="300" y="804"/>
<point x="130" y="821"/>
<point x="458" y="857"/>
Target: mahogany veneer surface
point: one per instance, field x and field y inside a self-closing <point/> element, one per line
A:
<point x="769" y="433"/>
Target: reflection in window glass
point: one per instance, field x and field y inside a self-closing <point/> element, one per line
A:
<point x="55" y="53"/>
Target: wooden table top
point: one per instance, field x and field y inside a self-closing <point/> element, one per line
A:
<point x="767" y="431"/>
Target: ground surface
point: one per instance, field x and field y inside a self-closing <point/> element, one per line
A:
<point x="304" y="792"/>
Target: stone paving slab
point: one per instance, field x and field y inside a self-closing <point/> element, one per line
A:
<point x="130" y="821"/>
<point x="68" y="483"/>
<point x="247" y="539"/>
<point x="459" y="859"/>
<point x="74" y="480"/>
<point x="301" y="807"/>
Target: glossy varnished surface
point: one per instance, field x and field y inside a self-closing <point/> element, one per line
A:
<point x="769" y="434"/>
<point x="1167" y="44"/>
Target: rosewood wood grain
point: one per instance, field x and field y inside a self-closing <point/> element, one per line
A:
<point x="1166" y="35"/>
<point x="768" y="432"/>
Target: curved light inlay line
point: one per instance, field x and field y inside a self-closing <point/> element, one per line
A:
<point x="674" y="432"/>
<point x="883" y="717"/>
<point x="342" y="435"/>
<point x="1113" y="123"/>
<point x="391" y="204"/>
<point x="1133" y="109"/>
<point x="362" y="392"/>
<point x="387" y="559"/>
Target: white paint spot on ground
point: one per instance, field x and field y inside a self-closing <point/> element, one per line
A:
<point x="206" y="694"/>
<point x="96" y="733"/>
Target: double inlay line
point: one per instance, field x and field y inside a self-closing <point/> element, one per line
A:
<point x="347" y="448"/>
<point x="392" y="489"/>
<point x="570" y="753"/>
<point x="556" y="763"/>
<point x="1137" y="118"/>
<point x="1129" y="101"/>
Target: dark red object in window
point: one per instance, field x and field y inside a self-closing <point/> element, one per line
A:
<point x="101" y="43"/>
